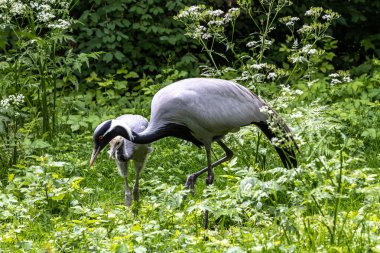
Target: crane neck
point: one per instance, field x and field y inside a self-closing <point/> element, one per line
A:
<point x="145" y="137"/>
<point x="154" y="132"/>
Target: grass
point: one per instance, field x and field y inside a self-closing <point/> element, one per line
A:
<point x="330" y="203"/>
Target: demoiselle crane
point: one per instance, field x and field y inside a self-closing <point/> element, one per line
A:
<point x="123" y="151"/>
<point x="203" y="110"/>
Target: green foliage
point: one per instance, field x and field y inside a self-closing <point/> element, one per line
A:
<point x="35" y="65"/>
<point x="56" y="203"/>
<point x="304" y="54"/>
<point x="140" y="35"/>
<point x="355" y="30"/>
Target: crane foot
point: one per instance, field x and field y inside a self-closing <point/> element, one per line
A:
<point x="190" y="183"/>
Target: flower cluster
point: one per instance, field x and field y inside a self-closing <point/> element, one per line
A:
<point x="316" y="26"/>
<point x="272" y="76"/>
<point x="48" y="13"/>
<point x="191" y="12"/>
<point x="12" y="100"/>
<point x="289" y="21"/>
<point x="60" y="24"/>
<point x="232" y="14"/>
<point x="309" y="50"/>
<point x="314" y="12"/>
<point x="276" y="124"/>
<point x="257" y="43"/>
<point x="216" y="13"/>
<point x="298" y="59"/>
<point x="337" y="78"/>
<point x="213" y="21"/>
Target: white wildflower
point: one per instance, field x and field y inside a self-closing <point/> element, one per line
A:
<point x="308" y="50"/>
<point x="215" y="22"/>
<point x="295" y="44"/>
<point x="312" y="51"/>
<point x="252" y="43"/>
<point x="298" y="92"/>
<point x="18" y="8"/>
<point x="334" y="75"/>
<point x="285" y="89"/>
<point x="309" y="13"/>
<point x="294" y="19"/>
<point x="193" y="9"/>
<point x="20" y="98"/>
<point x="263" y="151"/>
<point x="305" y="29"/>
<point x="44" y="7"/>
<point x="216" y="13"/>
<point x="272" y="76"/>
<point x="258" y="66"/>
<point x="266" y="110"/>
<point x="234" y="10"/>
<point x="309" y="84"/>
<point x="15" y="100"/>
<point x="275" y="141"/>
<point x="206" y="36"/>
<point x="45" y="17"/>
<point x="327" y="17"/>
<point x="61" y="24"/>
<point x="34" y="5"/>
<point x="5" y="103"/>
<point x="232" y="13"/>
<point x="183" y="14"/>
<point x="347" y="79"/>
<point x="289" y="23"/>
<point x="334" y="81"/>
<point x="3" y="3"/>
<point x="268" y="42"/>
<point x="299" y="59"/>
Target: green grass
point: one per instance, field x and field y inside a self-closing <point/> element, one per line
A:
<point x="329" y="204"/>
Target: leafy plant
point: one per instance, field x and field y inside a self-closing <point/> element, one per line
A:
<point x="35" y="62"/>
<point x="258" y="63"/>
<point x="140" y="35"/>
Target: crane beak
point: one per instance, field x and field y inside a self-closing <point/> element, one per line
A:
<point x="95" y="153"/>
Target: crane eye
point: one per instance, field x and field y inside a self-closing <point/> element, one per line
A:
<point x="100" y="137"/>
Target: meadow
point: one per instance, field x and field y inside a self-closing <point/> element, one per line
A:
<point x="51" y="200"/>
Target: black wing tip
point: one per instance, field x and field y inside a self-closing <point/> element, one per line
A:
<point x="286" y="154"/>
<point x="288" y="157"/>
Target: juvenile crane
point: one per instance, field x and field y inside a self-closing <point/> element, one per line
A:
<point x="202" y="110"/>
<point x="124" y="151"/>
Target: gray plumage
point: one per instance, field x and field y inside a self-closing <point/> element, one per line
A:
<point x="203" y="110"/>
<point x="124" y="151"/>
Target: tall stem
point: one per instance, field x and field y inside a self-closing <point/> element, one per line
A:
<point x="337" y="203"/>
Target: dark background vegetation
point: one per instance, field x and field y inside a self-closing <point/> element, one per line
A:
<point x="143" y="36"/>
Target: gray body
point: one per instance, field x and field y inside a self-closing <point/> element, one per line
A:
<point x="208" y="111"/>
<point x="124" y="151"/>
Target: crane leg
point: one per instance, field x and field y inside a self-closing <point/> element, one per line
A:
<point x="136" y="192"/>
<point x="123" y="169"/>
<point x="209" y="179"/>
<point x="190" y="183"/>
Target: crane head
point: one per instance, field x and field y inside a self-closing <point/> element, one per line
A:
<point x="105" y="132"/>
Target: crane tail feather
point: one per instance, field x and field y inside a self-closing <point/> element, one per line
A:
<point x="286" y="152"/>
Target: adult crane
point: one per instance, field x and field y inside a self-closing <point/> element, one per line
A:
<point x="123" y="151"/>
<point x="203" y="110"/>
